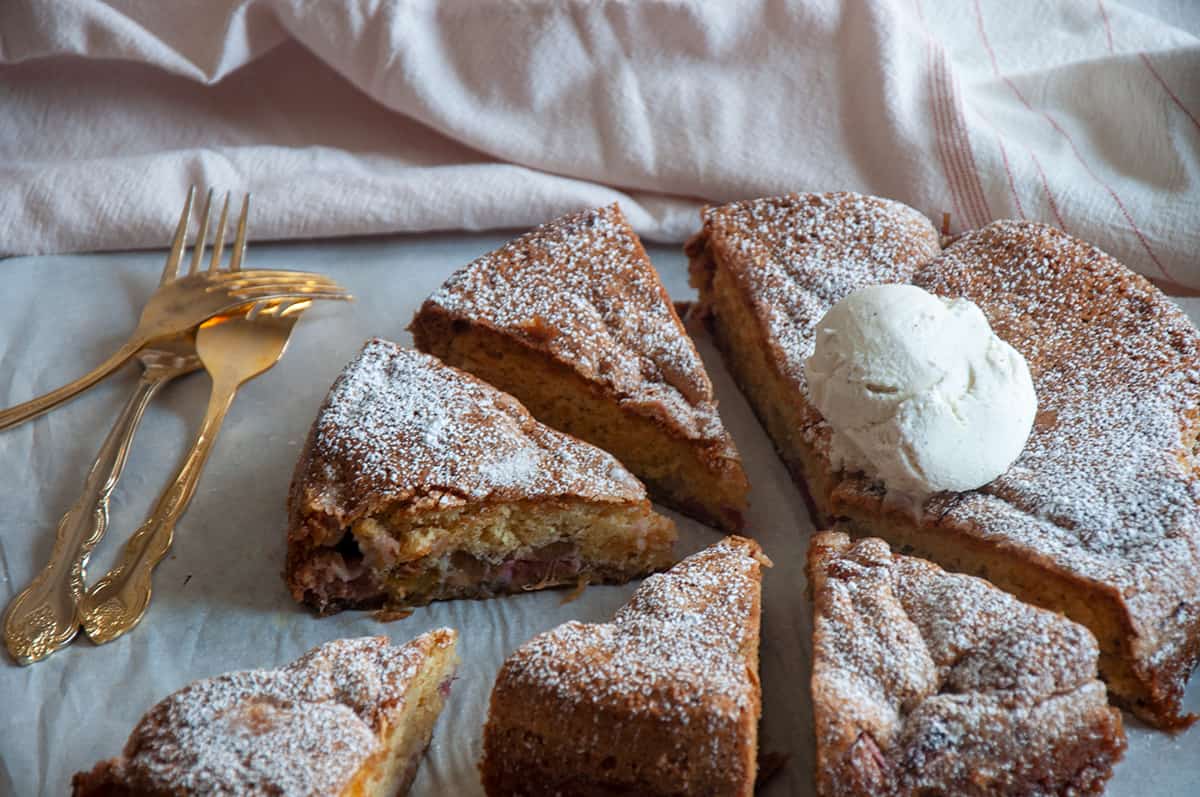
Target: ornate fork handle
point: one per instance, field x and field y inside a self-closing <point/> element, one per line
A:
<point x="42" y="404"/>
<point x="43" y="617"/>
<point x="117" y="601"/>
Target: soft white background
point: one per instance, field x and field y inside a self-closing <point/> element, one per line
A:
<point x="220" y="603"/>
<point x="368" y="116"/>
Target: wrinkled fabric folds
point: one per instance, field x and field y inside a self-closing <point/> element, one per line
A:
<point x="368" y="117"/>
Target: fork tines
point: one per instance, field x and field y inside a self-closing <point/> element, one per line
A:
<point x="171" y="270"/>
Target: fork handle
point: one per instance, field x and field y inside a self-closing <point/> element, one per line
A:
<point x="35" y="407"/>
<point x="43" y="617"/>
<point x="116" y="603"/>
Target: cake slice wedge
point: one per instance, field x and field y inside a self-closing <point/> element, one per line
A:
<point x="352" y="718"/>
<point x="767" y="270"/>
<point x="664" y="700"/>
<point x="419" y="482"/>
<point x="1099" y="517"/>
<point x="572" y="319"/>
<point x="928" y="682"/>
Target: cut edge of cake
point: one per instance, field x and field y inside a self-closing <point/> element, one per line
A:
<point x="925" y="680"/>
<point x="420" y="482"/>
<point x="1149" y="682"/>
<point x="665" y="699"/>
<point x="351" y="717"/>
<point x="753" y="325"/>
<point x="573" y="320"/>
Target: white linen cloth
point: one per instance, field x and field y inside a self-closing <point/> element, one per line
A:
<point x="359" y="117"/>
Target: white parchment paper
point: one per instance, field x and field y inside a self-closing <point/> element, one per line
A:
<point x="220" y="603"/>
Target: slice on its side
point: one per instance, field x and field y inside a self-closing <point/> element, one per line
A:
<point x="571" y="318"/>
<point x="664" y="700"/>
<point x="351" y="718"/>
<point x="420" y="482"/>
<point x="928" y="682"/>
<point x="1099" y="518"/>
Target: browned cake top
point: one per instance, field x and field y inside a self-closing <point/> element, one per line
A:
<point x="1107" y="484"/>
<point x="1106" y="488"/>
<point x="797" y="255"/>
<point x="303" y="729"/>
<point x="678" y="650"/>
<point x="928" y="678"/>
<point x="581" y="289"/>
<point x="400" y="426"/>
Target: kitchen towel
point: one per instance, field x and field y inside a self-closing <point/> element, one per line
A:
<point x="363" y="117"/>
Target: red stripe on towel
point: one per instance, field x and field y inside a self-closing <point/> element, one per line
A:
<point x="1070" y="141"/>
<point x="1107" y="27"/>
<point x="962" y="143"/>
<point x="1012" y="184"/>
<point x="949" y="142"/>
<point x="1174" y="98"/>
<point x="1062" y="225"/>
<point x="1146" y="60"/>
<point x="935" y="117"/>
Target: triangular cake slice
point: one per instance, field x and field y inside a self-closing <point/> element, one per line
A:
<point x="572" y="319"/>
<point x="928" y="682"/>
<point x="351" y="718"/>
<point x="768" y="269"/>
<point x="664" y="700"/>
<point x="1099" y="518"/>
<point x="419" y="482"/>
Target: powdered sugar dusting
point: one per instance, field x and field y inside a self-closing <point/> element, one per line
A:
<point x="582" y="289"/>
<point x="677" y="650"/>
<point x="399" y="425"/>
<point x="948" y="677"/>
<point x="1107" y="484"/>
<point x="1106" y="488"/>
<point x="303" y="729"/>
<point x="797" y="255"/>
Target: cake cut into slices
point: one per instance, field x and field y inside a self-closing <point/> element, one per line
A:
<point x="419" y="482"/>
<point x="1099" y="518"/>
<point x="928" y="682"/>
<point x="663" y="700"/>
<point x="352" y="718"/>
<point x="767" y="270"/>
<point x="571" y="318"/>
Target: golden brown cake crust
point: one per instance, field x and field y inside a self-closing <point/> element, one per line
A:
<point x="794" y="256"/>
<point x="663" y="700"/>
<point x="400" y="426"/>
<point x="402" y="432"/>
<point x="581" y="291"/>
<point x="931" y="682"/>
<point x="300" y="731"/>
<point x="1104" y="502"/>
<point x="1106" y="492"/>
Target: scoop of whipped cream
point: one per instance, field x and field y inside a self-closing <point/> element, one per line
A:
<point x="918" y="390"/>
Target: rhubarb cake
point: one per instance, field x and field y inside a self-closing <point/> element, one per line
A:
<point x="419" y="482"/>
<point x="664" y="700"/>
<point x="571" y="318"/>
<point x="767" y="270"/>
<point x="928" y="682"/>
<point x="1099" y="517"/>
<point x="352" y="718"/>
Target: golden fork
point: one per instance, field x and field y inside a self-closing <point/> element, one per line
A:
<point x="183" y="303"/>
<point x="43" y="617"/>
<point x="233" y="351"/>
